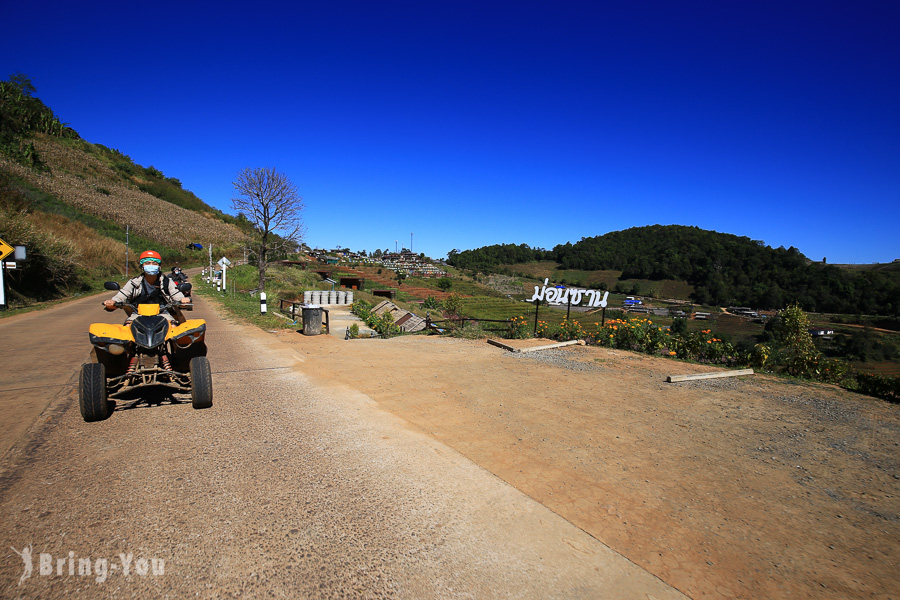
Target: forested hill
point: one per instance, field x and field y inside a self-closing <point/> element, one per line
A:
<point x="724" y="269"/>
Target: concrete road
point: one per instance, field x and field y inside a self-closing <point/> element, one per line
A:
<point x="279" y="490"/>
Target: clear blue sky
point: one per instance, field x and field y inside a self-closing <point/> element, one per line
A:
<point x="471" y="123"/>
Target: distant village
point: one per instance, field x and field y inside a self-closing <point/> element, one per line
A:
<point x="404" y="261"/>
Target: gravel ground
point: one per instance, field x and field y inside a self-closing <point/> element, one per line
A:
<point x="557" y="357"/>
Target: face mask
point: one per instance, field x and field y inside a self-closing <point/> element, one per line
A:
<point x="151" y="269"/>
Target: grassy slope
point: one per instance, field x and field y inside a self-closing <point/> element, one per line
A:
<point x="87" y="197"/>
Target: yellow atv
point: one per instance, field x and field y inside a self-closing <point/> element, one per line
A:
<point x="148" y="352"/>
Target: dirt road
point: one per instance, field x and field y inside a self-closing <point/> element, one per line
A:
<point x="284" y="488"/>
<point x="730" y="488"/>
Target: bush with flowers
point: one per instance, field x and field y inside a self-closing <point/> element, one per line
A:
<point x="569" y="330"/>
<point x="637" y="335"/>
<point x="518" y="328"/>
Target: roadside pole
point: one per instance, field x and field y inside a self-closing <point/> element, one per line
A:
<point x="126" y="251"/>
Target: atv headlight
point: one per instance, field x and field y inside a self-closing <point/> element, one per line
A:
<point x="189" y="337"/>
<point x="110" y="345"/>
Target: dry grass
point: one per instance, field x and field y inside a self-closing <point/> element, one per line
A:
<point x="81" y="180"/>
<point x="93" y="250"/>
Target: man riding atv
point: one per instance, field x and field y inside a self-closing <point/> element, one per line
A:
<point x="149" y="288"/>
<point x="178" y="275"/>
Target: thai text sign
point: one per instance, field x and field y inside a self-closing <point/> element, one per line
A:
<point x="560" y="295"/>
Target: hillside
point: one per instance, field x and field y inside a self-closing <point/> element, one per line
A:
<point x="82" y="180"/>
<point x="69" y="201"/>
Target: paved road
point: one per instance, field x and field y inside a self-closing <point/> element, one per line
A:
<point x="280" y="490"/>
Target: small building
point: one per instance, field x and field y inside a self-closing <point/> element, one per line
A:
<point x="352" y="283"/>
<point x="405" y="320"/>
<point x="820" y="331"/>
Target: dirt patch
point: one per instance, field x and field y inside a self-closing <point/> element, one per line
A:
<point x="740" y="487"/>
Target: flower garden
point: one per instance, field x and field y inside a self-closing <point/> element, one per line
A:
<point x="792" y="353"/>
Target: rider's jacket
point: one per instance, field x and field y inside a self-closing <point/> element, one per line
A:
<point x="138" y="291"/>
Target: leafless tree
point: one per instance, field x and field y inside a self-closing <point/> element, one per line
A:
<point x="272" y="203"/>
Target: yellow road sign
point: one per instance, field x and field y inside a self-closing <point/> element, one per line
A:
<point x="5" y="249"/>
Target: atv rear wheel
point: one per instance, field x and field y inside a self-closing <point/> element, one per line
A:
<point x="201" y="383"/>
<point x="92" y="393"/>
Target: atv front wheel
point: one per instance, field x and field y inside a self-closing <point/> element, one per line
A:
<point x="92" y="393"/>
<point x="201" y="383"/>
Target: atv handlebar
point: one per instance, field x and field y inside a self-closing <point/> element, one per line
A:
<point x="162" y="307"/>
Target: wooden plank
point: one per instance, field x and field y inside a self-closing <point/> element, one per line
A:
<point x="549" y="346"/>
<point x="676" y="378"/>
<point x="500" y="344"/>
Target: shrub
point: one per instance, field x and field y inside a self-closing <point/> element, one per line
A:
<point x="453" y="306"/>
<point x="887" y="388"/>
<point x="518" y="329"/>
<point x="759" y="356"/>
<point x="385" y="326"/>
<point x="470" y="330"/>
<point x="569" y="330"/>
<point x="361" y="309"/>
<point x="432" y="303"/>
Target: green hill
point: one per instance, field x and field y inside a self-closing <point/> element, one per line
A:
<point x="721" y="269"/>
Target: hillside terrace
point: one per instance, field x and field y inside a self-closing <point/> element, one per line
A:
<point x="404" y="262"/>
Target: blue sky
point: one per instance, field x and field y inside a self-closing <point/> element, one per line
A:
<point x="475" y="123"/>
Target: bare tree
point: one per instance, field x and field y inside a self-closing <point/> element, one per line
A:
<point x="272" y="203"/>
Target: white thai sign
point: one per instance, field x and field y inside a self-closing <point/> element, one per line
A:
<point x="556" y="295"/>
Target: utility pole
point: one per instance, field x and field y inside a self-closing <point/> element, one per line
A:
<point x="126" y="252"/>
<point x="410" y="242"/>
